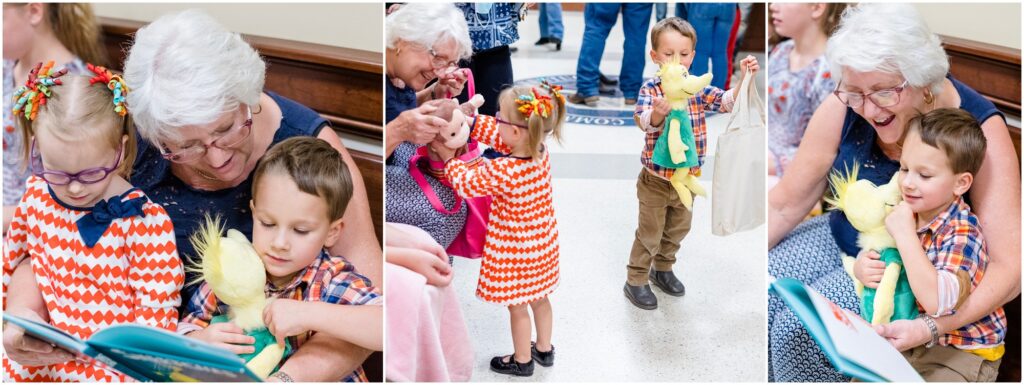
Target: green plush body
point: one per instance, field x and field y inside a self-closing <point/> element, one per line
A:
<point x="904" y="303"/>
<point x="262" y="336"/>
<point x="661" y="155"/>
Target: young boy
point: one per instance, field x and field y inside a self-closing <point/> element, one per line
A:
<point x="299" y="193"/>
<point x="664" y="221"/>
<point x="942" y="248"/>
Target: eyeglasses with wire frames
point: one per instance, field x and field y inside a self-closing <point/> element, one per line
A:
<point x="60" y="178"/>
<point x="223" y="140"/>
<point x="440" y="63"/>
<point x="882" y="98"/>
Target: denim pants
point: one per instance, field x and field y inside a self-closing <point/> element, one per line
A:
<point x="600" y="18"/>
<point x="713" y="24"/>
<point x="551" y="20"/>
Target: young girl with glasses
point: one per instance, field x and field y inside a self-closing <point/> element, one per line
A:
<point x="520" y="258"/>
<point x="101" y="252"/>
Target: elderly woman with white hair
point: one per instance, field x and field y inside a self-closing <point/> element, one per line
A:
<point x="424" y="43"/>
<point x="889" y="67"/>
<point x="197" y="99"/>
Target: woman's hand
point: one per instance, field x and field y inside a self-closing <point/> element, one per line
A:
<point x="226" y="335"/>
<point x="30" y="351"/>
<point x="451" y="84"/>
<point x="868" y="268"/>
<point x="905" y="334"/>
<point x="417" y="125"/>
<point x="430" y="265"/>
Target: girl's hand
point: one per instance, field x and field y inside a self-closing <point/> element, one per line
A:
<point x="226" y="335"/>
<point x="418" y="126"/>
<point x="901" y="222"/>
<point x="905" y="334"/>
<point x="30" y="351"/>
<point x="451" y="83"/>
<point x="868" y="268"/>
<point x="285" y="318"/>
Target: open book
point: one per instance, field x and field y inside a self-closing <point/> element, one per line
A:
<point x="146" y="353"/>
<point x="848" y="341"/>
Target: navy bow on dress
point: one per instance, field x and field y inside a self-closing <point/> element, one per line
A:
<point x="94" y="224"/>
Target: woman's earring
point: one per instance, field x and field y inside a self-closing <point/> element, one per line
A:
<point x="929" y="98"/>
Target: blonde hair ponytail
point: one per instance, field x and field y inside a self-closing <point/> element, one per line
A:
<point x="76" y="27"/>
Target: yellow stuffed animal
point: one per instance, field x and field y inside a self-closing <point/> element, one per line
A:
<point x="676" y="147"/>
<point x="237" y="277"/>
<point x="866" y="207"/>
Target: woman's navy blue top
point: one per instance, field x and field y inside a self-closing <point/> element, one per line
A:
<point x="186" y="205"/>
<point x="859" y="144"/>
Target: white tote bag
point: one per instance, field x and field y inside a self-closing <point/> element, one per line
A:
<point x="737" y="190"/>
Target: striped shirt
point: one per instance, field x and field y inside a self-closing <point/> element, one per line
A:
<point x="709" y="99"/>
<point x="954" y="244"/>
<point x="520" y="257"/>
<point x="330" y="279"/>
<point x="131" y="275"/>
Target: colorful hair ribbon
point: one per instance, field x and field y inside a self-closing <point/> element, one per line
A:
<point x="533" y="103"/>
<point x="115" y="83"/>
<point x="30" y="97"/>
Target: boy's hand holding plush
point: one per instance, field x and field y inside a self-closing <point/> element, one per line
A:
<point x="868" y="268"/>
<point x="286" y="318"/>
<point x="659" y="110"/>
<point x="901" y="222"/>
<point x="226" y="335"/>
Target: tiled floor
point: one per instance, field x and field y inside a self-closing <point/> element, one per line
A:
<point x="714" y="333"/>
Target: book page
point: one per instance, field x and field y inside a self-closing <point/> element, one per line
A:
<point x="856" y="341"/>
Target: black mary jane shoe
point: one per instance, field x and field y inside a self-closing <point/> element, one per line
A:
<point x="667" y="282"/>
<point x="545" y="359"/>
<point x="512" y="367"/>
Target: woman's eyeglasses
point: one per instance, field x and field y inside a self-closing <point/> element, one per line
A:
<point x="882" y="98"/>
<point x="60" y="178"/>
<point x="225" y="140"/>
<point x="438" y="62"/>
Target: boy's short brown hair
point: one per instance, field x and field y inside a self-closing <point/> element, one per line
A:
<point x="957" y="133"/>
<point x="673" y="24"/>
<point x="314" y="166"/>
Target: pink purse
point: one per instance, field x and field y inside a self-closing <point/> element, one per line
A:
<point x="470" y="241"/>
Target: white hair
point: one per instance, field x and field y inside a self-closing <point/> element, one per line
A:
<point x="427" y="24"/>
<point x="891" y="38"/>
<point x="186" y="69"/>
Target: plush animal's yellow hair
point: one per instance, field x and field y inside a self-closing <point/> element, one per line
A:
<point x="839" y="182"/>
<point x="205" y="239"/>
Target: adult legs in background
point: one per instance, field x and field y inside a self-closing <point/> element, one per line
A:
<point x="713" y="24"/>
<point x="599" y="20"/>
<point x="660" y="9"/>
<point x="551" y="20"/>
<point x="636" y="18"/>
<point x="492" y="72"/>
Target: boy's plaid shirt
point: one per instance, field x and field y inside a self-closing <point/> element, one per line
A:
<point x="709" y="99"/>
<point x="328" y="279"/>
<point x="953" y="242"/>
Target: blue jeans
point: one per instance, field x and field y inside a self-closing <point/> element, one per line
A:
<point x="551" y="20"/>
<point x="660" y="9"/>
<point x="600" y="18"/>
<point x="713" y="24"/>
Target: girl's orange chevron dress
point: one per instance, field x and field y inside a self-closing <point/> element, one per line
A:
<point x="131" y="275"/>
<point x="520" y="262"/>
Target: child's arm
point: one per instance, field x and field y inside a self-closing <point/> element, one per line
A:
<point x="200" y="309"/>
<point x="485" y="130"/>
<point x="714" y="99"/>
<point x="938" y="287"/>
<point x="360" y="325"/>
<point x="492" y="177"/>
<point x="650" y="110"/>
<point x="155" y="274"/>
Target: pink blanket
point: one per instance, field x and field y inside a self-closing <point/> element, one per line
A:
<point x="427" y="339"/>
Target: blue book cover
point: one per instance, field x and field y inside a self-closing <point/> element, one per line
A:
<point x="849" y="342"/>
<point x="147" y="353"/>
